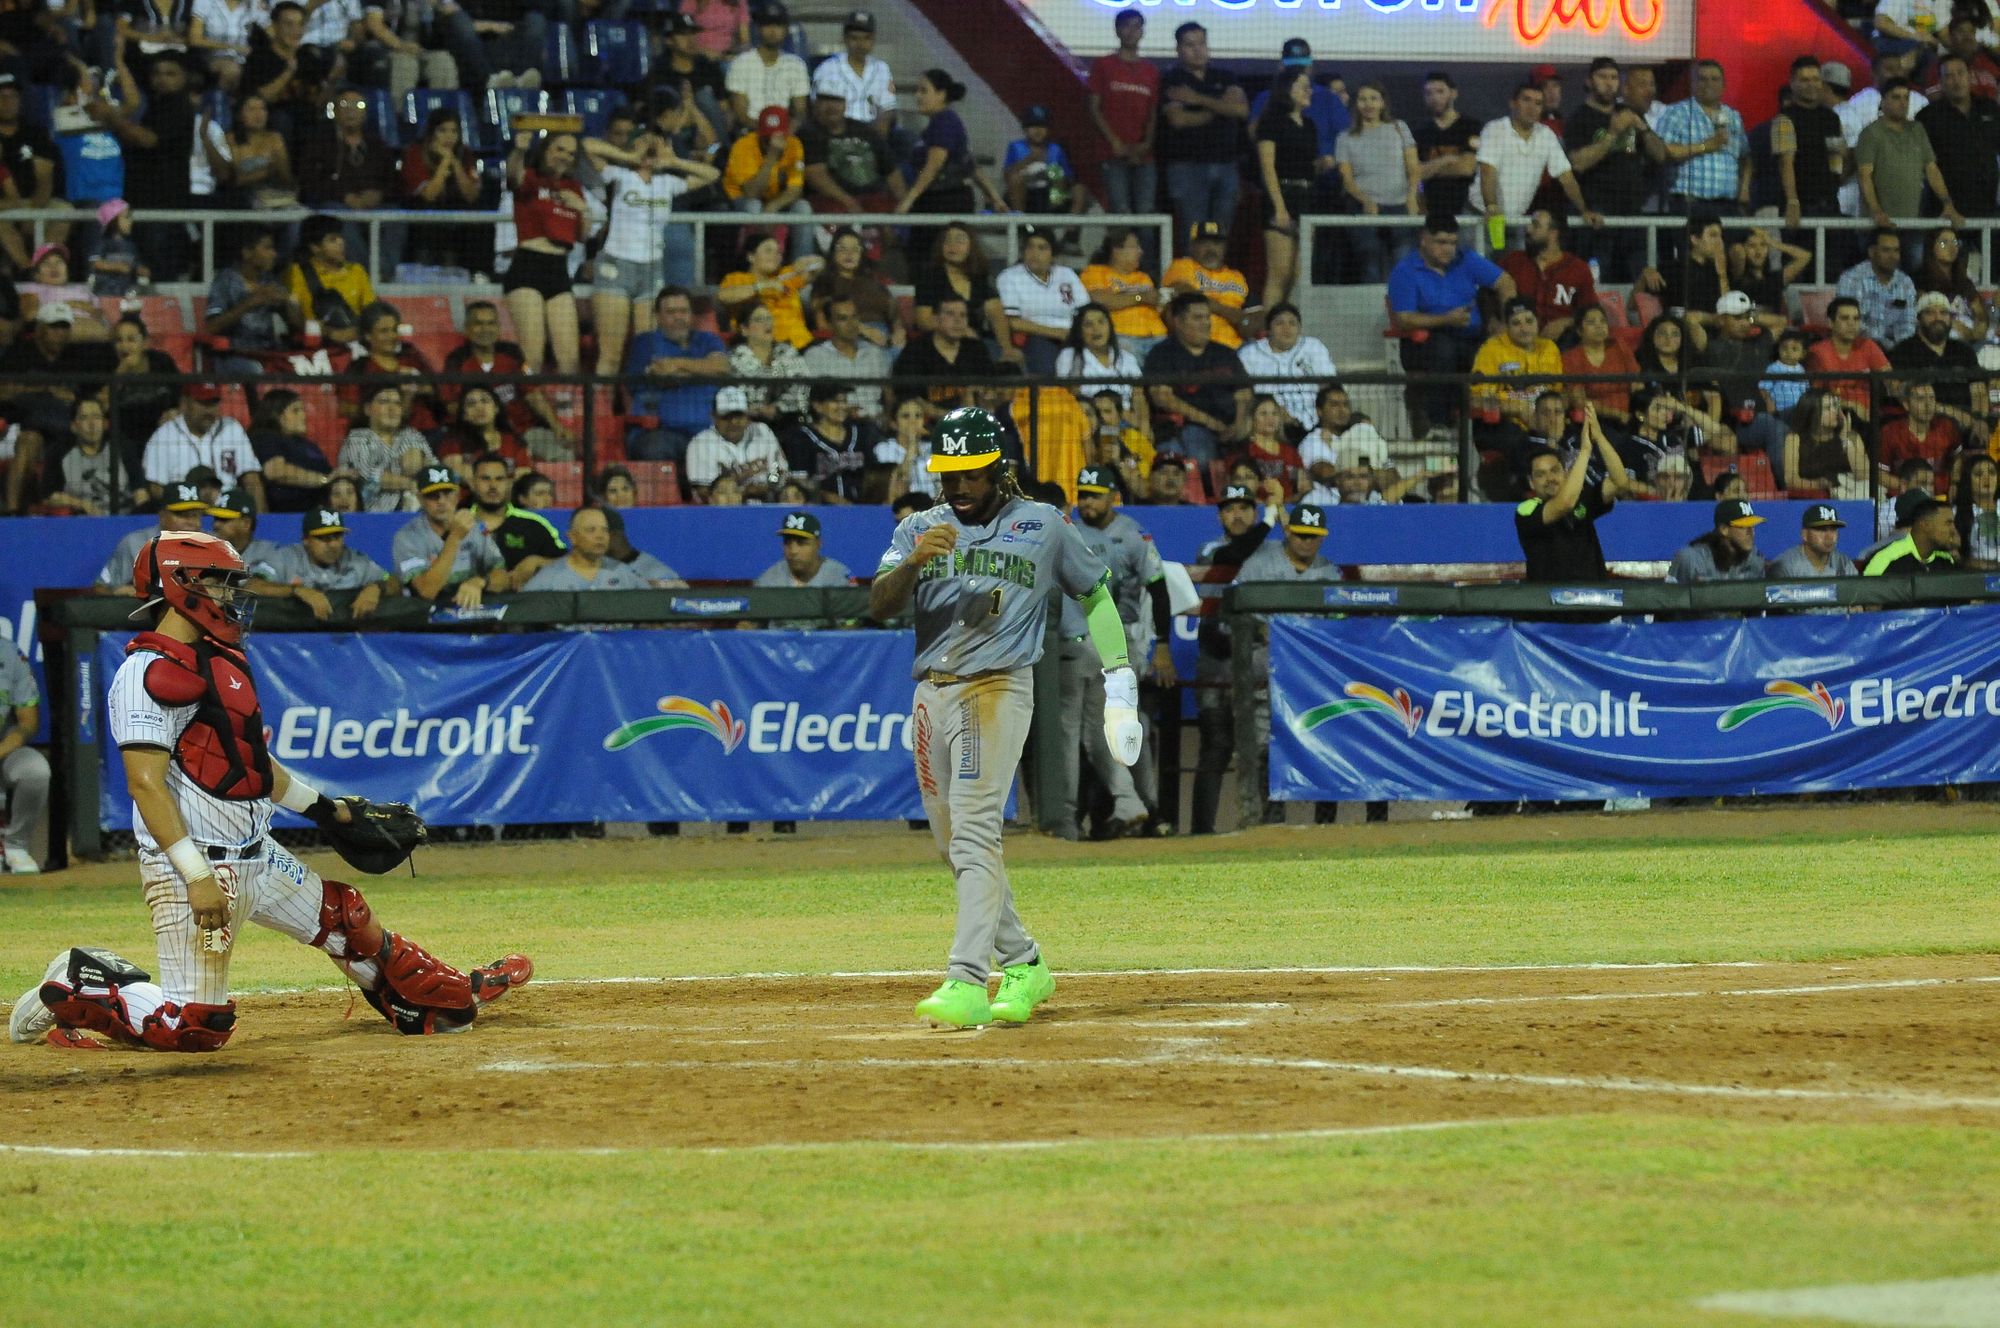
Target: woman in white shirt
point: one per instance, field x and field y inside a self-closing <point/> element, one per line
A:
<point x="1283" y="353"/>
<point x="1041" y="299"/>
<point x="641" y="184"/>
<point x="1093" y="352"/>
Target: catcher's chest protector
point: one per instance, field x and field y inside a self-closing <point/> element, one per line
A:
<point x="222" y="749"/>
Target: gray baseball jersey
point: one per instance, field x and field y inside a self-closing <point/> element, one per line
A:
<point x="832" y="572"/>
<point x="117" y="569"/>
<point x="417" y="546"/>
<point x="651" y="569"/>
<point x="351" y="571"/>
<point x="17" y="687"/>
<point x="1793" y="565"/>
<point x="1269" y="563"/>
<point x="1128" y="552"/>
<point x="258" y="556"/>
<point x="611" y="575"/>
<point x="985" y="606"/>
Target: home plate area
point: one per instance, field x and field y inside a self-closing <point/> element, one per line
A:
<point x="761" y="1061"/>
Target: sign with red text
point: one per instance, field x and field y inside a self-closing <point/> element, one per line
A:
<point x="1496" y="31"/>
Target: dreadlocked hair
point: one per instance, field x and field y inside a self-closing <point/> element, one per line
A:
<point x="1008" y="481"/>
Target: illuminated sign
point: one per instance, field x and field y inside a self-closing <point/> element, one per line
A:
<point x="1416" y="30"/>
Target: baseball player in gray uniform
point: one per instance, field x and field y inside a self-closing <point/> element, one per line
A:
<point x="804" y="564"/>
<point x="235" y="519"/>
<point x="981" y="566"/>
<point x="446" y="546"/>
<point x="1294" y="558"/>
<point x="181" y="509"/>
<point x="587" y="565"/>
<point x="1136" y="575"/>
<point x="24" y="772"/>
<point x="322" y="561"/>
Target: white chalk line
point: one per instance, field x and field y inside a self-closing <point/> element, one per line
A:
<point x="1815" y="989"/>
<point x="845" y="1145"/>
<point x="1186" y="1054"/>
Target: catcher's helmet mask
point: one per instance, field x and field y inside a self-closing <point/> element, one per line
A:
<point x="199" y="577"/>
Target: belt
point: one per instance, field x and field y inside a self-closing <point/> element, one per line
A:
<point x="938" y="678"/>
<point x="249" y="852"/>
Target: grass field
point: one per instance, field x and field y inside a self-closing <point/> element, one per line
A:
<point x="1510" y="1204"/>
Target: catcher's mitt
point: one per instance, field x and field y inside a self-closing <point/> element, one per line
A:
<point x="378" y="838"/>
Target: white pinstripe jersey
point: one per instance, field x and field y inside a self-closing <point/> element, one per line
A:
<point x="174" y="450"/>
<point x="137" y="720"/>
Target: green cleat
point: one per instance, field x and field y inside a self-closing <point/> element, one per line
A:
<point x="957" y="1005"/>
<point x="1022" y="988"/>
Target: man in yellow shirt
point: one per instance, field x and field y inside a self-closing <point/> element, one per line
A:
<point x="1504" y="413"/>
<point x="324" y="243"/>
<point x="766" y="172"/>
<point x="1200" y="272"/>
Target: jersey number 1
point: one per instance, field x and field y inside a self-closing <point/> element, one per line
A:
<point x="995" y="610"/>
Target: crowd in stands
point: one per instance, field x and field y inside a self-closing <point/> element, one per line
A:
<point x="1715" y="361"/>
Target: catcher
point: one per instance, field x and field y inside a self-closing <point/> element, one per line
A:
<point x="183" y="710"/>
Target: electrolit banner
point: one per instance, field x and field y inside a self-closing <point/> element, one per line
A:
<point x="1485" y="709"/>
<point x="1355" y="30"/>
<point x="584" y="726"/>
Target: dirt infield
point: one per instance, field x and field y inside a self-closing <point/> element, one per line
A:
<point x="736" y="1062"/>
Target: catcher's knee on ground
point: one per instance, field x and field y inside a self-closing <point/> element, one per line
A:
<point x="106" y="993"/>
<point x="413" y="989"/>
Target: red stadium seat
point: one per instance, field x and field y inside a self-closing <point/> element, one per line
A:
<point x="324" y="424"/>
<point x="1754" y="467"/>
<point x="1613" y="304"/>
<point x="428" y="315"/>
<point x="567" y="477"/>
<point x="1629" y="337"/>
<point x="1645" y="307"/>
<point x="1813" y="302"/>
<point x="160" y="313"/>
<point x="658" y="482"/>
<point x="235" y="404"/>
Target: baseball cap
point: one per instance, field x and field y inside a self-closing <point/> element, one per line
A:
<point x="1735" y="304"/>
<point x="1095" y="479"/>
<point x="1837" y="74"/>
<point x="1236" y="493"/>
<point x="732" y="401"/>
<point x="1206" y="230"/>
<point x="1822" y="516"/>
<point x="769" y="11"/>
<point x="1296" y="53"/>
<point x="1736" y="512"/>
<point x="858" y="20"/>
<point x="682" y="22"/>
<point x="110" y="211"/>
<point x="1307" y="519"/>
<point x="437" y="479"/>
<point x="231" y="503"/>
<point x="321" y="521"/>
<point x="1037" y="114"/>
<point x="182" y="498"/>
<point x="55" y="311"/>
<point x="1914" y="505"/>
<point x="1933" y="300"/>
<point x="44" y="251"/>
<point x="800" y="525"/>
<point x="1543" y="73"/>
<point x="10" y="80"/>
<point x="772" y="121"/>
<point x="208" y="393"/>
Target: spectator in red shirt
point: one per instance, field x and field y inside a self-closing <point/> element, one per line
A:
<point x="1559" y="283"/>
<point x="1923" y="434"/>
<point x="1124" y="97"/>
<point x="439" y="173"/>
<point x="382" y="353"/>
<point x="1269" y="448"/>
<point x="481" y="427"/>
<point x="529" y="415"/>
<point x="548" y="219"/>
<point x="1846" y="351"/>
<point x="1597" y="352"/>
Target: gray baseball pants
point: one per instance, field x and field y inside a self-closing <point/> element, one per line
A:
<point x="24" y="783"/>
<point x="968" y="740"/>
<point x="1083" y="698"/>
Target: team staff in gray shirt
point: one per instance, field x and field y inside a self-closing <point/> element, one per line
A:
<point x="804" y="563"/>
<point x="1817" y="554"/>
<point x="1726" y="553"/>
<point x="586" y="566"/>
<point x="322" y="561"/>
<point x="181" y="508"/>
<point x="1294" y="558"/>
<point x="446" y="546"/>
<point x="24" y="772"/>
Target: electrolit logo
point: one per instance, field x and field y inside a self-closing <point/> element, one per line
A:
<point x="1784" y="694"/>
<point x="681" y="712"/>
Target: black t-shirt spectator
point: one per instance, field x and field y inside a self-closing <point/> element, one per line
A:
<point x="834" y="465"/>
<point x="158" y="176"/>
<point x="522" y="536"/>
<point x="24" y="357"/>
<point x="1207" y="381"/>
<point x="1214" y="141"/>
<point x="1694" y="287"/>
<point x="1445" y="193"/>
<point x="1737" y="366"/>
<point x="704" y="75"/>
<point x="332" y="169"/>
<point x="1617" y="184"/>
<point x="933" y="286"/>
<point x="857" y="157"/>
<point x="1565" y="549"/>
<point x="1966" y="146"/>
<point x="1298" y="145"/>
<point x="1958" y="359"/>
<point x="301" y="451"/>
<point x="920" y="371"/>
<point x="22" y="148"/>
<point x="1812" y="166"/>
<point x="136" y="409"/>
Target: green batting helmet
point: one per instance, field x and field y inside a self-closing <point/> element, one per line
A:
<point x="967" y="439"/>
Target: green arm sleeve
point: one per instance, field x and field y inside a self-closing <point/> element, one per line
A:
<point x="1107" y="629"/>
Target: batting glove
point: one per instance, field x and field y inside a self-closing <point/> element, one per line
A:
<point x="1122" y="730"/>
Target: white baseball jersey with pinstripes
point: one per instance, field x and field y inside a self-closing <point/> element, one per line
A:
<point x="174" y="450"/>
<point x="137" y="719"/>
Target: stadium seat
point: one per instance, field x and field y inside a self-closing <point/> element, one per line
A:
<point x="501" y="105"/>
<point x="324" y="424"/>
<point x="562" y="61"/>
<point x="1193" y="490"/>
<point x="567" y="477"/>
<point x="595" y="105"/>
<point x="658" y="482"/>
<point x="1645" y="307"/>
<point x="1613" y="304"/>
<point x="617" y="54"/>
<point x="179" y="347"/>
<point x="1628" y="337"/>
<point x="1813" y="302"/>
<point x="162" y="314"/>
<point x="236" y="403"/>
<point x="428" y="315"/>
<point x="420" y="105"/>
<point x="216" y="106"/>
<point x="1754" y="467"/>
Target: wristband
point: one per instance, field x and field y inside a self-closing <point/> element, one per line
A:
<point x="299" y="796"/>
<point x="189" y="860"/>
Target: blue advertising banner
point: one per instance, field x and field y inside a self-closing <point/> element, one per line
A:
<point x="1482" y="708"/>
<point x="584" y="726"/>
